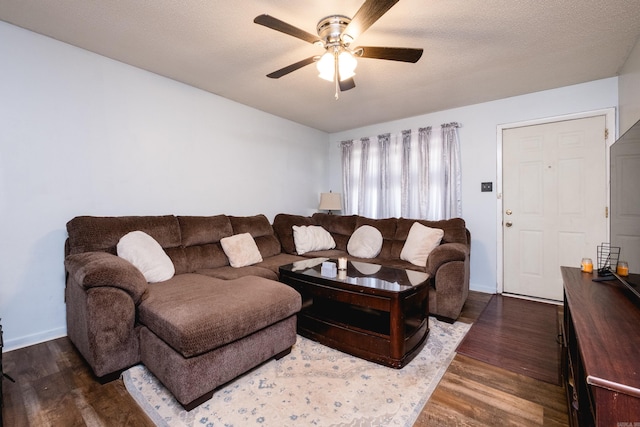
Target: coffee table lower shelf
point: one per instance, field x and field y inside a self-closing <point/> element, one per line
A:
<point x="366" y="344"/>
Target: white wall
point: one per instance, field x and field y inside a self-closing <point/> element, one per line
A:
<point x="478" y="139"/>
<point x="81" y="134"/>
<point x="629" y="90"/>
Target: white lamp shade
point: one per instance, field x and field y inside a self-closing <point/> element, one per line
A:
<point x="326" y="66"/>
<point x="330" y="202"/>
<point x="347" y="64"/>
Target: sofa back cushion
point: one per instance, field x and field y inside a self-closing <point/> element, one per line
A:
<point x="101" y="234"/>
<point x="201" y="237"/>
<point x="283" y="228"/>
<point x="261" y="230"/>
<point x="340" y="227"/>
<point x="91" y="234"/>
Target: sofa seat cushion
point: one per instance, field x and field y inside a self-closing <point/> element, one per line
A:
<point x="393" y="263"/>
<point x="230" y="273"/>
<point x="194" y="313"/>
<point x="273" y="263"/>
<point x="331" y="253"/>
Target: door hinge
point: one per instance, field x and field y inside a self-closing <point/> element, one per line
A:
<point x="606" y="212"/>
<point x="606" y="133"/>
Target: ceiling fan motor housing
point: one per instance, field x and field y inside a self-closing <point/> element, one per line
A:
<point x="330" y="29"/>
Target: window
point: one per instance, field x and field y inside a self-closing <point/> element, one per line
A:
<point x="413" y="174"/>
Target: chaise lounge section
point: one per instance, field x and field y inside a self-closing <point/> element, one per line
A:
<point x="194" y="331"/>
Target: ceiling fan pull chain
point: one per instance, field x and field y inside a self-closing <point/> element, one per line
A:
<point x="336" y="76"/>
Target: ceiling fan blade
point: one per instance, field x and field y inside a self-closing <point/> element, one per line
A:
<point x="278" y="25"/>
<point x="368" y="13"/>
<point x="404" y="54"/>
<point x="290" y="68"/>
<point x="347" y="84"/>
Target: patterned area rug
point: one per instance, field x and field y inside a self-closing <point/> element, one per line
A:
<point x="313" y="385"/>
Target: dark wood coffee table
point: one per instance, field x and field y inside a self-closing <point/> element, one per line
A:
<point x="374" y="312"/>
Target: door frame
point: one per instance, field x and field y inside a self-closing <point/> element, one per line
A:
<point x="610" y="125"/>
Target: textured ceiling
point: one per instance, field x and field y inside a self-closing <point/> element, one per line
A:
<point x="474" y="50"/>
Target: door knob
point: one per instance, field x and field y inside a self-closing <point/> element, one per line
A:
<point x="509" y="212"/>
<point x="508" y="223"/>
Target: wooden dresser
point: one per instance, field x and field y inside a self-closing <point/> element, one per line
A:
<point x="601" y="352"/>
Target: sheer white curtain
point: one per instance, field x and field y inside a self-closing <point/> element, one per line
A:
<point x="452" y="170"/>
<point x="424" y="195"/>
<point x="384" y="180"/>
<point x="402" y="175"/>
<point x="347" y="176"/>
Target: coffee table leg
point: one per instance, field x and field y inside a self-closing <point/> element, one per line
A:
<point x="396" y="338"/>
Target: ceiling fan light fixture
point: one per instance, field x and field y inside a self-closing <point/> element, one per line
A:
<point x="347" y="65"/>
<point x="326" y="66"/>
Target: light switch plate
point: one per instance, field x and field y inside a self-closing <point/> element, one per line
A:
<point x="486" y="187"/>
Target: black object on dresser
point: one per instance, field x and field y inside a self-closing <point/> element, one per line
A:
<point x="601" y="343"/>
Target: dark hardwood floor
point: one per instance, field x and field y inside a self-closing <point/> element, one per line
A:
<point x="526" y="332"/>
<point x="495" y="387"/>
<point x="54" y="387"/>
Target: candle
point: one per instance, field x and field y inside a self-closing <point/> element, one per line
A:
<point x="587" y="265"/>
<point x="342" y="263"/>
<point x="622" y="269"/>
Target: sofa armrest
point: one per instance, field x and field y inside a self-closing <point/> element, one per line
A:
<point x="444" y="253"/>
<point x="98" y="269"/>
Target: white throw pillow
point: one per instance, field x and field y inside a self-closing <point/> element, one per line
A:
<point x="241" y="250"/>
<point x="146" y="254"/>
<point x="419" y="244"/>
<point x="366" y="268"/>
<point x="365" y="242"/>
<point x="310" y="238"/>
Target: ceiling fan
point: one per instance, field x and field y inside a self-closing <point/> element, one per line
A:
<point x="335" y="35"/>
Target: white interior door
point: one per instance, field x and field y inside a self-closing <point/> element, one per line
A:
<point x="554" y="194"/>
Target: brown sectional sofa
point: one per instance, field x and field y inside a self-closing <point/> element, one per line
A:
<point x="211" y="322"/>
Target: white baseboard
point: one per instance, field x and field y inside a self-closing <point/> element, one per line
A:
<point x="26" y="341"/>
<point x="482" y="288"/>
<point x="530" y="298"/>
